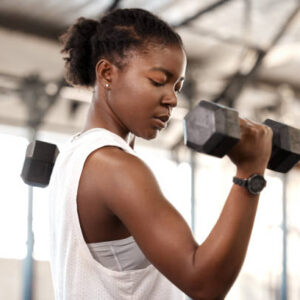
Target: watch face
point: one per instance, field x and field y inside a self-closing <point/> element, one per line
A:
<point x="256" y="183"/>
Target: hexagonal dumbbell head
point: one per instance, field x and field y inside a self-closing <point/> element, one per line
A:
<point x="211" y="128"/>
<point x="285" y="148"/>
<point x="39" y="163"/>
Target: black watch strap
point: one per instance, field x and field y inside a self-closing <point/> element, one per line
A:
<point x="254" y="184"/>
<point x="240" y="181"/>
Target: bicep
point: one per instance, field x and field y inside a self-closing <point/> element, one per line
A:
<point x="132" y="193"/>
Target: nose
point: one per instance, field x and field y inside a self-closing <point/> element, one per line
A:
<point x="170" y="100"/>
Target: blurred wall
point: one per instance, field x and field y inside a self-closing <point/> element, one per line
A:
<point x="11" y="280"/>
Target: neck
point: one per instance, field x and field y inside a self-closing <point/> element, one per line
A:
<point x="100" y="115"/>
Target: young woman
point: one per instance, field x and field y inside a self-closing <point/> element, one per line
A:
<point x="113" y="233"/>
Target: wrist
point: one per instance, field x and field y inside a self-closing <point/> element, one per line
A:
<point x="246" y="172"/>
<point x="254" y="184"/>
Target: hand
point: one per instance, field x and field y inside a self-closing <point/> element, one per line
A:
<point x="252" y="153"/>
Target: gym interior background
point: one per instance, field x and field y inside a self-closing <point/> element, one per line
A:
<point x="241" y="53"/>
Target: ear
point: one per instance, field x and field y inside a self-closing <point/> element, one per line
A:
<point x="105" y="72"/>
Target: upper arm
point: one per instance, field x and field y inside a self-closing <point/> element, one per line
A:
<point x="129" y="189"/>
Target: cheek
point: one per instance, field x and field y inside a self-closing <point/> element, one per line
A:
<point x="140" y="98"/>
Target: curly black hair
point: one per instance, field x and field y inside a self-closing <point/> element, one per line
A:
<point x="87" y="41"/>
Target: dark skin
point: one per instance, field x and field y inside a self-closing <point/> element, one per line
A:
<point x="128" y="201"/>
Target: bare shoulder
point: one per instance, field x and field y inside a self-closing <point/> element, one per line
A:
<point x="113" y="154"/>
<point x="116" y="162"/>
<point x="117" y="174"/>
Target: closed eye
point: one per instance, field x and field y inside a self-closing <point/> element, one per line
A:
<point x="159" y="84"/>
<point x="155" y="83"/>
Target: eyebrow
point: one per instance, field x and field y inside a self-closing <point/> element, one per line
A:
<point x="167" y="72"/>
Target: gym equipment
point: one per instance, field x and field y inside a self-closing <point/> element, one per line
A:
<point x="39" y="162"/>
<point x="214" y="129"/>
<point x="209" y="128"/>
<point x="285" y="146"/>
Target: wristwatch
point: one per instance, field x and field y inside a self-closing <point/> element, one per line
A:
<point x="254" y="184"/>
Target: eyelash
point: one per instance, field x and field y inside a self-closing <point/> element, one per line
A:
<point x="157" y="84"/>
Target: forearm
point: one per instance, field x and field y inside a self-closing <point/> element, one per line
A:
<point x="221" y="255"/>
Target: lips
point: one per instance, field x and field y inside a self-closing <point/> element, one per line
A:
<point x="163" y="118"/>
<point x="161" y="121"/>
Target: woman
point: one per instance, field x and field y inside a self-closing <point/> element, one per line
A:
<point x="113" y="233"/>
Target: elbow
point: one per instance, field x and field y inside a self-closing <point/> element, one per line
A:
<point x="208" y="296"/>
<point x="212" y="281"/>
<point x="210" y="278"/>
<point x="210" y="288"/>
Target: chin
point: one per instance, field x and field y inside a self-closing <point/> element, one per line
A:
<point x="150" y="134"/>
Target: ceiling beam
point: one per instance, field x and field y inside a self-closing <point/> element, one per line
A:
<point x="29" y="25"/>
<point x="201" y="12"/>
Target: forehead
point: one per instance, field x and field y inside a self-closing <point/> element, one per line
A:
<point x="171" y="58"/>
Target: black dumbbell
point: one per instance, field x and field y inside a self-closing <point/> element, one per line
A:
<point x="39" y="162"/>
<point x="214" y="129"/>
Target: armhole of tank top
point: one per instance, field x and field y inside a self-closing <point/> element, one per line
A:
<point x="78" y="232"/>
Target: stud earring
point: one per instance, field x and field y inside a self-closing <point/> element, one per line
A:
<point x="107" y="85"/>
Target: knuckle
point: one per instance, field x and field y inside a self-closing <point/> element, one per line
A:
<point x="262" y="129"/>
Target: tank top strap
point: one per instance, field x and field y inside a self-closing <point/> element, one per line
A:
<point x="102" y="136"/>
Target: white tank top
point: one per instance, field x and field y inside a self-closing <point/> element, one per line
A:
<point x="119" y="255"/>
<point x="76" y="274"/>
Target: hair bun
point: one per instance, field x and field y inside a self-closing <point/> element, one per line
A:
<point x="77" y="46"/>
